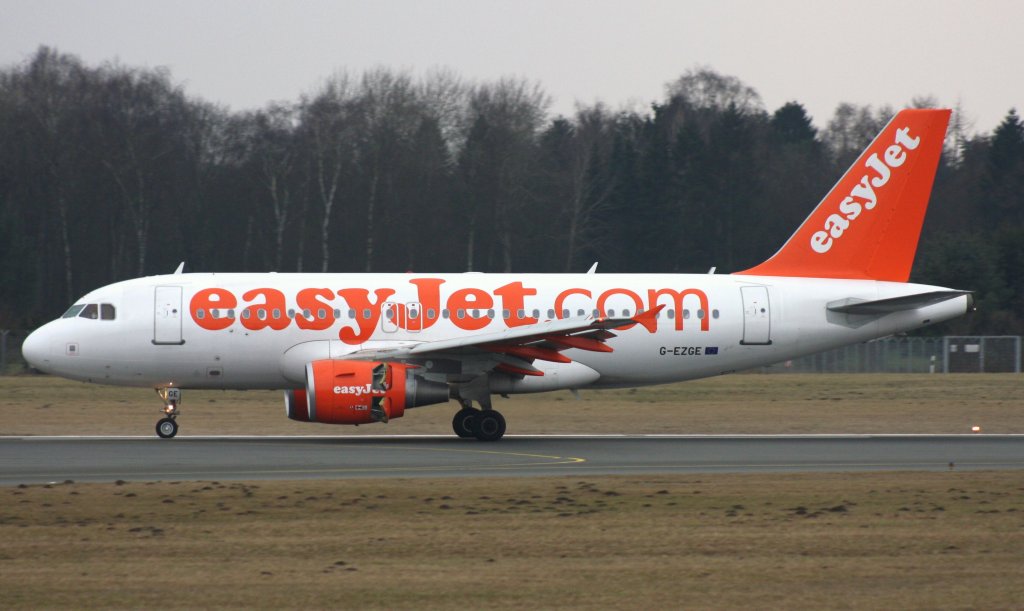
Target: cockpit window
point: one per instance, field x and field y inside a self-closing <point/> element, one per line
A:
<point x="90" y="311"/>
<point x="73" y="310"/>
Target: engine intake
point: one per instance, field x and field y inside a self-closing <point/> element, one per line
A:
<point x="360" y="392"/>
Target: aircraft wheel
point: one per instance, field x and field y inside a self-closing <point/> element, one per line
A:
<point x="462" y="423"/>
<point x="167" y="428"/>
<point x="489" y="425"/>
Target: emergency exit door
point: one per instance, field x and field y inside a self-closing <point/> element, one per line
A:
<point x="757" y="317"/>
<point x="167" y="316"/>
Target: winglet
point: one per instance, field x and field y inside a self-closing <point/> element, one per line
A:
<point x="868" y="225"/>
<point x="649" y="319"/>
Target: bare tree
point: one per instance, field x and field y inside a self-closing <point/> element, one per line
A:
<point x="498" y="156"/>
<point x="48" y="89"/>
<point x="269" y="136"/>
<point x="589" y="196"/>
<point x="143" y="118"/>
<point x="327" y="124"/>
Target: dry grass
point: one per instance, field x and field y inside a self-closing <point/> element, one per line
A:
<point x="880" y="540"/>
<point x="876" y="540"/>
<point x="790" y="403"/>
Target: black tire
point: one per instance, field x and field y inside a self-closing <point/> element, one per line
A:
<point x="462" y="423"/>
<point x="489" y="425"/>
<point x="166" y="428"/>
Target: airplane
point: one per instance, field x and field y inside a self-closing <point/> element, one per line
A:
<point x="363" y="348"/>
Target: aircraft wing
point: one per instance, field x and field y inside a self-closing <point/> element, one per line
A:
<point x="513" y="350"/>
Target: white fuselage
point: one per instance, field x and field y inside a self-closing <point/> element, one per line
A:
<point x="258" y="331"/>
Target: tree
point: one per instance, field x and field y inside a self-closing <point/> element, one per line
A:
<point x="327" y="126"/>
<point x="497" y="163"/>
<point x="268" y="138"/>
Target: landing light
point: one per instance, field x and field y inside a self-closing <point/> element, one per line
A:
<point x="975" y="429"/>
<point x="168" y="409"/>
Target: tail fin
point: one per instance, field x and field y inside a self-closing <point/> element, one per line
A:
<point x="868" y="225"/>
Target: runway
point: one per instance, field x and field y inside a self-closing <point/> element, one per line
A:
<point x="27" y="460"/>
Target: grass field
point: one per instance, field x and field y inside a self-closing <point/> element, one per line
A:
<point x="880" y="540"/>
<point x="816" y="540"/>
<point x="784" y="403"/>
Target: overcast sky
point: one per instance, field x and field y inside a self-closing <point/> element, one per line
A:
<point x="244" y="53"/>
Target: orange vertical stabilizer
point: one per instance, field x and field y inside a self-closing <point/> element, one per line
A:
<point x="868" y="225"/>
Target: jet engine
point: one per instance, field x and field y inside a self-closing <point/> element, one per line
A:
<point x="360" y="392"/>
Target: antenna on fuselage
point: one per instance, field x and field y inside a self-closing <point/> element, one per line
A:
<point x="181" y="266"/>
<point x="593" y="268"/>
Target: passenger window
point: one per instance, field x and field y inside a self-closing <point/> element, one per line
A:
<point x="321" y="314"/>
<point x="73" y="311"/>
<point x="625" y="313"/>
<point x="445" y="314"/>
<point x="700" y="314"/>
<point x="671" y="314"/>
<point x="686" y="314"/>
<point x="431" y="314"/>
<point x="200" y="313"/>
<point x="536" y="314"/>
<point x="276" y="313"/>
<point x="714" y="313"/>
<point x="90" y="311"/>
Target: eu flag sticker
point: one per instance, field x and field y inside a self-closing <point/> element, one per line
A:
<point x="711" y="350"/>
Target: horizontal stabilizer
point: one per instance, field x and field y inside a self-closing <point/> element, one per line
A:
<point x="894" y="304"/>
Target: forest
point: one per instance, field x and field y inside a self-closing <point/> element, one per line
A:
<point x="110" y="172"/>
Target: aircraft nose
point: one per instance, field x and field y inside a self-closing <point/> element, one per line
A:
<point x="34" y="349"/>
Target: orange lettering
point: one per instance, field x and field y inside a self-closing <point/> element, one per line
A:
<point x="560" y="300"/>
<point x="466" y="300"/>
<point x="207" y="300"/>
<point x="359" y="300"/>
<point x="261" y="315"/>
<point x="513" y="298"/>
<point x="429" y="295"/>
<point x="677" y="303"/>
<point x="603" y="299"/>
<point x="307" y="300"/>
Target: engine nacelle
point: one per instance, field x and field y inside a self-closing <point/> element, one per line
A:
<point x="360" y="392"/>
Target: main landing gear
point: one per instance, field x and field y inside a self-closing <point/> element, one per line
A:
<point x="167" y="427"/>
<point x="485" y="424"/>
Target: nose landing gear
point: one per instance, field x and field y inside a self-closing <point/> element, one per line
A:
<point x="167" y="427"/>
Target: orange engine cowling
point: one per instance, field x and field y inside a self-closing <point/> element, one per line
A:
<point x="360" y="392"/>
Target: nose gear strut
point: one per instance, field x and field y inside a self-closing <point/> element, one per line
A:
<point x="167" y="427"/>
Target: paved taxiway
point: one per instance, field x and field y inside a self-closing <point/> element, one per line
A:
<point x="46" y="459"/>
